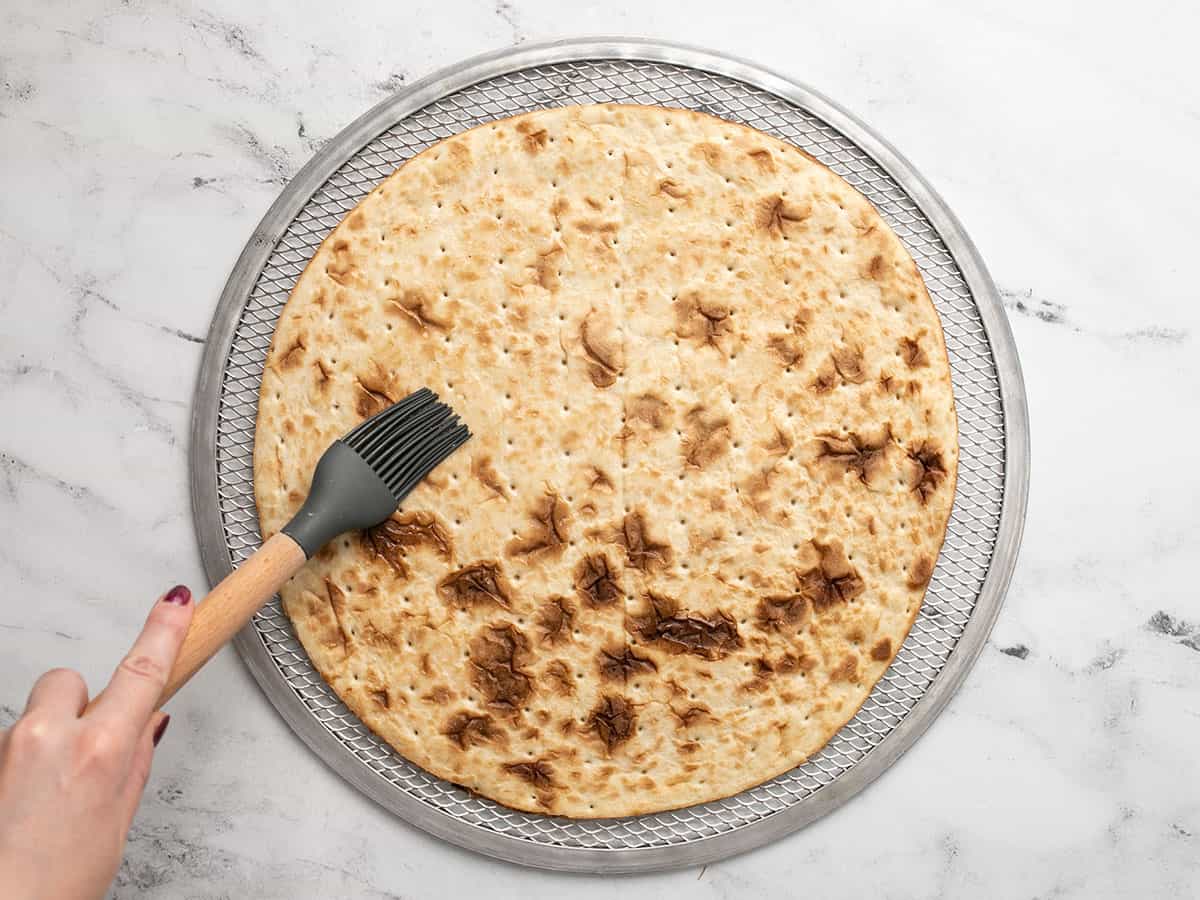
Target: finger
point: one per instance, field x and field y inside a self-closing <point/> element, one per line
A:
<point x="133" y="693"/>
<point x="139" y="767"/>
<point x="59" y="693"/>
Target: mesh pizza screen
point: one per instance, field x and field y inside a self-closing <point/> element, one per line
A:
<point x="972" y="532"/>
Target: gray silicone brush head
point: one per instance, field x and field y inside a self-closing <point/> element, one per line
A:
<point x="362" y="478"/>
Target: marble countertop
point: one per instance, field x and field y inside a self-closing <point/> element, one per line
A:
<point x="141" y="143"/>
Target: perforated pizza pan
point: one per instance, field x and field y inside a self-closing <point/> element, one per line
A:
<point x="972" y="572"/>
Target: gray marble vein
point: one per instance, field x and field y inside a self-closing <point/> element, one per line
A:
<point x="142" y="141"/>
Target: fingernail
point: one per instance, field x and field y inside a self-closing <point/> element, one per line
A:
<point x="178" y="594"/>
<point x="166" y="720"/>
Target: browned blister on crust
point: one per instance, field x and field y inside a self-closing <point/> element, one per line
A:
<point x="596" y="580"/>
<point x="662" y="622"/>
<point x="478" y="584"/>
<point x="497" y="654"/>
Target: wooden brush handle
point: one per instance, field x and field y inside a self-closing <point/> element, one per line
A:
<point x="231" y="604"/>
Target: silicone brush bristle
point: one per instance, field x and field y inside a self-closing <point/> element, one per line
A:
<point x="404" y="442"/>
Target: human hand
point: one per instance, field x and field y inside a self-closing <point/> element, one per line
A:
<point x="72" y="773"/>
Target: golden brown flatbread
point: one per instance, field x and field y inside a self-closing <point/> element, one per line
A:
<point x="714" y="457"/>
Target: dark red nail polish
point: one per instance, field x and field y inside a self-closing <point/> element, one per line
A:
<point x="178" y="594"/>
<point x="162" y="726"/>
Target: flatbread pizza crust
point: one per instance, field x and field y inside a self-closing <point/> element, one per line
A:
<point x="714" y="457"/>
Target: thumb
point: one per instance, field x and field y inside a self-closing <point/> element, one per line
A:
<point x="139" y="765"/>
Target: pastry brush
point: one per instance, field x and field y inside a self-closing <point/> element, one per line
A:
<point x="358" y="482"/>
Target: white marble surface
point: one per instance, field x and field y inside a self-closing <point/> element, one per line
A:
<point x="140" y="142"/>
